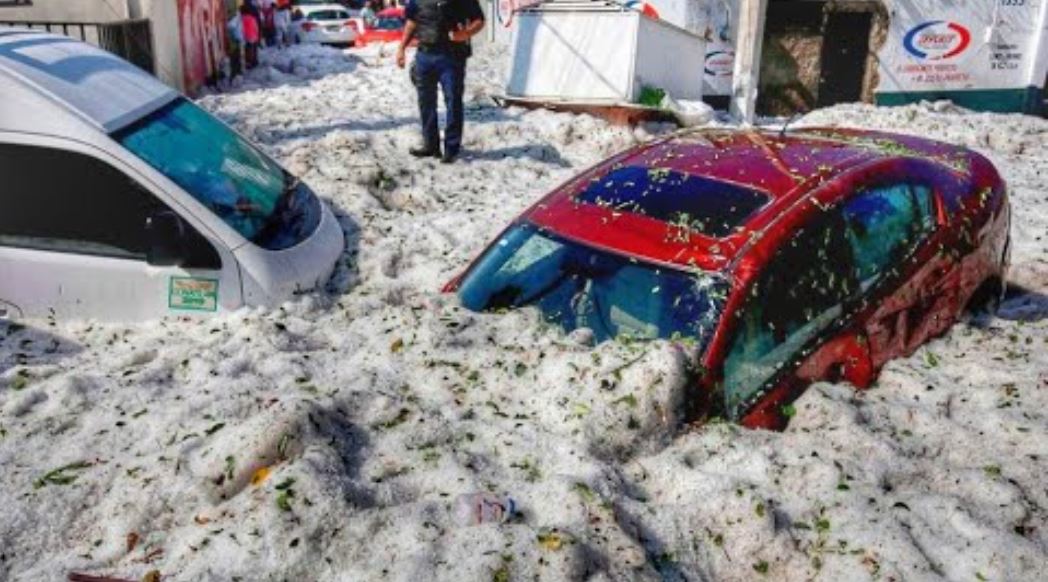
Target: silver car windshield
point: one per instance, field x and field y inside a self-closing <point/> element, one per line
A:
<point x="224" y="172"/>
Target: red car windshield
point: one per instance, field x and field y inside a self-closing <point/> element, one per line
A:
<point x="576" y="286"/>
<point x="389" y="24"/>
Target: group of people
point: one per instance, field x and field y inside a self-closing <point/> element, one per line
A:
<point x="257" y="22"/>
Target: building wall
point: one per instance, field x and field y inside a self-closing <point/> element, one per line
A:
<point x="166" y="42"/>
<point x="202" y="37"/>
<point x="791" y="61"/>
<point x="63" y="10"/>
<point x="188" y="35"/>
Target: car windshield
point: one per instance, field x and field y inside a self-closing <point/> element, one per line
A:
<point x="389" y="24"/>
<point x="225" y="173"/>
<point x="328" y="15"/>
<point x="576" y="286"/>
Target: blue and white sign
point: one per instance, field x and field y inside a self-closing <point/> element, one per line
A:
<point x="985" y="54"/>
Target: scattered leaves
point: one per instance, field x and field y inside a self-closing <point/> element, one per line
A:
<point x="550" y="539"/>
<point x="401" y="416"/>
<point x="60" y="476"/>
<point x="21" y="380"/>
<point x="286" y="493"/>
<point x="584" y="491"/>
<point x="230" y="467"/>
<point x="282" y="446"/>
<point x="260" y="475"/>
<point x="931" y="359"/>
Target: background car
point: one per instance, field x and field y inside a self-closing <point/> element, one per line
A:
<point x="351" y="4"/>
<point x="784" y="258"/>
<point x="123" y="200"/>
<point x="388" y="27"/>
<point x="324" y="23"/>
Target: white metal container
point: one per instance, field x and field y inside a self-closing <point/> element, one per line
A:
<point x="598" y="53"/>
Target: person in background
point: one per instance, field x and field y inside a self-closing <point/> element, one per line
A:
<point x="253" y="7"/>
<point x="235" y="30"/>
<point x="369" y="13"/>
<point x="443" y="29"/>
<point x="269" y="22"/>
<point x="283" y="22"/>
<point x="251" y="36"/>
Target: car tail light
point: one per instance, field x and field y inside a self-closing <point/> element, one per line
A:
<point x="309" y="26"/>
<point x="353" y="24"/>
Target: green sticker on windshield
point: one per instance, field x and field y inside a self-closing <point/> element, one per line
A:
<point x="192" y="294"/>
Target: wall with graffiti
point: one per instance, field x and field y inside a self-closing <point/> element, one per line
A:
<point x="201" y="25"/>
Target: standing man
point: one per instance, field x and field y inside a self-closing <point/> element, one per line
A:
<point x="443" y="29"/>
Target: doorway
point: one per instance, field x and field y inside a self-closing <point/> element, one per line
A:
<point x="845" y="47"/>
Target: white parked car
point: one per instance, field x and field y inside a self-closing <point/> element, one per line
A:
<point x="122" y="200"/>
<point x="324" y="23"/>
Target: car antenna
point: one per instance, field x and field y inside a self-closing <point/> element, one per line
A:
<point x="782" y="132"/>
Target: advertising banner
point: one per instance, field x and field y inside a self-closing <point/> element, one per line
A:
<point x="713" y="20"/>
<point x="720" y="46"/>
<point x="982" y="54"/>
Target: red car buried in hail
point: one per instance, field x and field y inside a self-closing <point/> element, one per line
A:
<point x="388" y="26"/>
<point x="788" y="258"/>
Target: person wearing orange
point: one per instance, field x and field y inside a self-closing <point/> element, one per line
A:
<point x="251" y="36"/>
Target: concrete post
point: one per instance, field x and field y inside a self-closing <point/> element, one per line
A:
<point x="748" y="43"/>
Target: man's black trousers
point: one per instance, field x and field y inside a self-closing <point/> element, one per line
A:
<point x="449" y="71"/>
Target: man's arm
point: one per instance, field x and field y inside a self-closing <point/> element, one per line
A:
<point x="405" y="40"/>
<point x="467" y="31"/>
<point x="474" y="22"/>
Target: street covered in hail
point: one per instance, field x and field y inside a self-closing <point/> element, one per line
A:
<point x="329" y="438"/>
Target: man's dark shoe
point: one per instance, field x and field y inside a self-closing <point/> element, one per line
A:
<point x="449" y="157"/>
<point x="424" y="152"/>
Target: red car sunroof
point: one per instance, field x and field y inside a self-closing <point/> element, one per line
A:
<point x="704" y="206"/>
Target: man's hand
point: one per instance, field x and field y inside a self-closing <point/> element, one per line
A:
<point x="464" y="32"/>
<point x="460" y="34"/>
<point x="405" y="40"/>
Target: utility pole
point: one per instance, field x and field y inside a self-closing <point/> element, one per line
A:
<point x="748" y="43"/>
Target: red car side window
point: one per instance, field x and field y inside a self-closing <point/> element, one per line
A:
<point x="798" y="295"/>
<point x="802" y="291"/>
<point x="885" y="225"/>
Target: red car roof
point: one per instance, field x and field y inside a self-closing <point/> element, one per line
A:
<point x="784" y="168"/>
